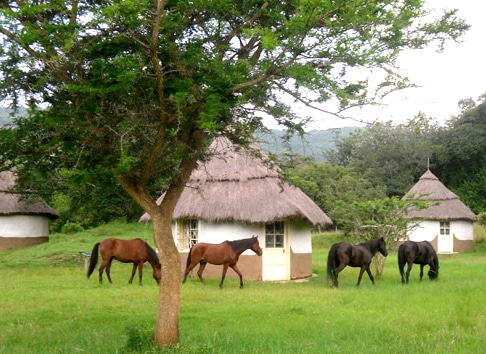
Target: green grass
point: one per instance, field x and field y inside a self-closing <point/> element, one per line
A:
<point x="48" y="306"/>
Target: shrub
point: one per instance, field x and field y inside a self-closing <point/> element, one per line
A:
<point x="71" y="228"/>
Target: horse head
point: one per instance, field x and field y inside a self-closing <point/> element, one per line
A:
<point x="255" y="246"/>
<point x="382" y="247"/>
<point x="434" y="267"/>
<point x="433" y="274"/>
<point x="157" y="273"/>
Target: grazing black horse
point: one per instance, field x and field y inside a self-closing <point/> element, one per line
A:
<point x="422" y="253"/>
<point x="343" y="254"/>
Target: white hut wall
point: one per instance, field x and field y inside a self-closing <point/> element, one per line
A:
<point x="300" y="241"/>
<point x="249" y="264"/>
<point x="426" y="230"/>
<point x="18" y="231"/>
<point x="462" y="232"/>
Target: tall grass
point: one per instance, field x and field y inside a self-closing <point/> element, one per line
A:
<point x="48" y="306"/>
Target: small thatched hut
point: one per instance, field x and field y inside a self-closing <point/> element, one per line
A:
<point x="447" y="223"/>
<point x="234" y="195"/>
<point x="21" y="223"/>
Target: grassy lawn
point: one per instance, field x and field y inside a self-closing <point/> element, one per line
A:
<point x="48" y="306"/>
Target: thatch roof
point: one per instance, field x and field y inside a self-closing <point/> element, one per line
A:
<point x="11" y="203"/>
<point x="445" y="204"/>
<point x="236" y="184"/>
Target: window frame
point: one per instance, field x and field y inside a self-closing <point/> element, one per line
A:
<point x="275" y="234"/>
<point x="444" y="228"/>
<point x="188" y="234"/>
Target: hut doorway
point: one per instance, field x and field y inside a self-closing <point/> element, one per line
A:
<point x="445" y="242"/>
<point x="275" y="255"/>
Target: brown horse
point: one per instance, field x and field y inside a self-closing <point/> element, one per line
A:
<point x="135" y="251"/>
<point x="343" y="254"/>
<point x="225" y="253"/>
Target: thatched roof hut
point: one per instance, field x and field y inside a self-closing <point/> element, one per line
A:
<point x="447" y="223"/>
<point x="11" y="202"/>
<point x="237" y="193"/>
<point x="242" y="186"/>
<point x="22" y="223"/>
<point x="445" y="204"/>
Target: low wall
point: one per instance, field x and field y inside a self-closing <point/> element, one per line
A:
<point x="19" y="242"/>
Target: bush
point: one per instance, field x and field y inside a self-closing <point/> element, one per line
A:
<point x="71" y="228"/>
<point x="481" y="218"/>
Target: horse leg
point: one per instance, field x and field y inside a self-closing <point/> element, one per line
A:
<point x="102" y="268"/>
<point x="368" y="270"/>
<point x="338" y="269"/>
<point x="140" y="273"/>
<point x="202" y="265"/>
<point x="225" y="268"/>
<point x="239" y="273"/>
<point x="107" y="270"/>
<point x="188" y="270"/>
<point x="134" y="268"/>
<point x="402" y="274"/>
<point x="409" y="269"/>
<point x="421" y="271"/>
<point x="105" y="266"/>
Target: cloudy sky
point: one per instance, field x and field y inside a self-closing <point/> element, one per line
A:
<point x="458" y="72"/>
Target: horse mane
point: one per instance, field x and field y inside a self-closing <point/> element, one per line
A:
<point x="153" y="255"/>
<point x="237" y="245"/>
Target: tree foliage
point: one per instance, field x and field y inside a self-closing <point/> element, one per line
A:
<point x="334" y="188"/>
<point x="391" y="155"/>
<point x="133" y="90"/>
<point x="461" y="159"/>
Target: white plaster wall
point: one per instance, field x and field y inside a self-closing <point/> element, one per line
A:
<point x="24" y="226"/>
<point x="300" y="239"/>
<point x="463" y="230"/>
<point x="426" y="231"/>
<point x="220" y="232"/>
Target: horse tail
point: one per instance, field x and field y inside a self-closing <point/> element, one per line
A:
<point x="331" y="262"/>
<point x="94" y="259"/>
<point x="188" y="261"/>
<point x="401" y="258"/>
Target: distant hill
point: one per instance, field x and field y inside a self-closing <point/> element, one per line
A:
<point x="312" y="144"/>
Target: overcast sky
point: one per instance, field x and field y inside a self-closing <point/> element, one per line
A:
<point x="458" y="72"/>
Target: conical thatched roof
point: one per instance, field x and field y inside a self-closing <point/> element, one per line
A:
<point x="445" y="204"/>
<point x="11" y="203"/>
<point x="234" y="185"/>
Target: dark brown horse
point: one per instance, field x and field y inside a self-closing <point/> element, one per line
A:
<point x="226" y="253"/>
<point x="422" y="253"/>
<point x="135" y="251"/>
<point x="343" y="254"/>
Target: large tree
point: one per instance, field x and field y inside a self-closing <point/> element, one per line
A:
<point x="133" y="89"/>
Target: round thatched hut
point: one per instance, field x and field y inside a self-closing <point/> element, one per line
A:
<point x="236" y="194"/>
<point x="447" y="223"/>
<point x="22" y="223"/>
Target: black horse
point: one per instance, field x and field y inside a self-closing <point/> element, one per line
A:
<point x="422" y="253"/>
<point x="344" y="254"/>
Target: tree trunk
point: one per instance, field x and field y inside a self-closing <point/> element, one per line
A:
<point x="167" y="328"/>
